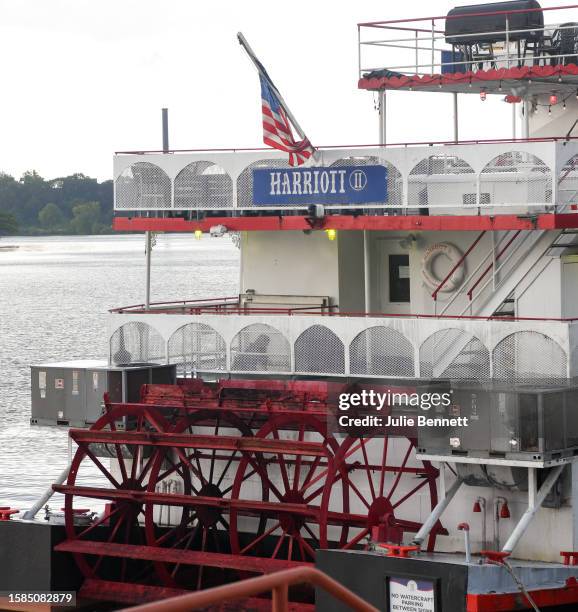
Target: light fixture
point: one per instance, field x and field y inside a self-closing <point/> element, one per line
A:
<point x="553" y="99"/>
<point x="477" y="506"/>
<point x="549" y="110"/>
<point x="331" y="234"/>
<point x="500" y="86"/>
<point x="564" y="105"/>
<point x="504" y="510"/>
<point x="483" y="95"/>
<point x="198" y="234"/>
<point x="577" y="94"/>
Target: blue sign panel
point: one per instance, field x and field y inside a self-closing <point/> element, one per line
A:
<point x="339" y="185"/>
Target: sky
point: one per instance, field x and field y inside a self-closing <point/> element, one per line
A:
<point x="82" y="79"/>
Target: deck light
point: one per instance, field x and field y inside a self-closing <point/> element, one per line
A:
<point x="331" y="234"/>
<point x="564" y="105"/>
<point x="505" y="511"/>
<point x="500" y="86"/>
<point x="549" y="110"/>
<point x="483" y="95"/>
<point x="553" y="99"/>
<point x="198" y="234"/>
<point x="477" y="506"/>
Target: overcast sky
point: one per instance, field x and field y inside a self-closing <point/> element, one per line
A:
<point x="82" y="78"/>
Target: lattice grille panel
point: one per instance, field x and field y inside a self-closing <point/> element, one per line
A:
<point x="197" y="347"/>
<point x="568" y="182"/>
<point x="529" y="356"/>
<point x="245" y="180"/>
<point x="517" y="177"/>
<point x="455" y="354"/>
<point x="143" y="186"/>
<point x="318" y="349"/>
<point x="260" y="348"/>
<point x="203" y="185"/>
<point x="381" y="351"/>
<point x="442" y="180"/>
<point x="136" y="342"/>
<point x="394" y="178"/>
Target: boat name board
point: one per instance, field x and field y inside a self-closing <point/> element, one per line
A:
<point x="319" y="185"/>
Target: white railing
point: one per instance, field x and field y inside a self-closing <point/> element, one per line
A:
<point x="434" y="45"/>
<point x="350" y="346"/>
<point x="490" y="177"/>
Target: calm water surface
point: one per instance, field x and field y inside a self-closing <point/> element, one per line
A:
<point x="54" y="296"/>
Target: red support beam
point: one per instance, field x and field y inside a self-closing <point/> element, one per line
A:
<point x="175" y="555"/>
<point x="185" y="440"/>
<point x="248" y="506"/>
<point x="349" y="222"/>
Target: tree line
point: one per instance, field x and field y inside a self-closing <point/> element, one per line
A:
<point x="75" y="204"/>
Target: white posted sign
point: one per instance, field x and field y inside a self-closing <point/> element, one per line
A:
<point x="407" y="595"/>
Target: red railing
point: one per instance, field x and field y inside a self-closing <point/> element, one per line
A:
<point x="490" y="266"/>
<point x="456" y="266"/>
<point x="326" y="311"/>
<point x="277" y="583"/>
<point x="213" y="302"/>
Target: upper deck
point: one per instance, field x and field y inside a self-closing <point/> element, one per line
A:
<point x="474" y="49"/>
<point x="480" y="179"/>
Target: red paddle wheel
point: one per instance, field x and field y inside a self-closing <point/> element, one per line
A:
<point x="210" y="483"/>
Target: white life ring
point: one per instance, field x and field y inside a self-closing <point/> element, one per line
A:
<point x="454" y="255"/>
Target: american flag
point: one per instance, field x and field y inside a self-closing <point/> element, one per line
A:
<point x="277" y="131"/>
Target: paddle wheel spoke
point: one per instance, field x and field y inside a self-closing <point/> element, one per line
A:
<point x="203" y="473"/>
<point x="354" y="464"/>
<point x="119" y="523"/>
<point x="291" y="478"/>
<point x="383" y="464"/>
<point x="410" y="493"/>
<point x="260" y="538"/>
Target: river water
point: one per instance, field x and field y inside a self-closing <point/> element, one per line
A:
<point x="54" y="296"/>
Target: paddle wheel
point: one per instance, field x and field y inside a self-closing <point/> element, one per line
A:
<point x="210" y="483"/>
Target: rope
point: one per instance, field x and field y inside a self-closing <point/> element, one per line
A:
<point x="519" y="584"/>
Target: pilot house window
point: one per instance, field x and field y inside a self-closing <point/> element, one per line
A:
<point x="399" y="278"/>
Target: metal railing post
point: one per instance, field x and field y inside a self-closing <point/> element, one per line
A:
<point x="432" y="45"/>
<point x="280" y="599"/>
<point x="507" y="42"/>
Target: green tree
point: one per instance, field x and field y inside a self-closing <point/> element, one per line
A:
<point x="51" y="216"/>
<point x="86" y="218"/>
<point x="8" y="224"/>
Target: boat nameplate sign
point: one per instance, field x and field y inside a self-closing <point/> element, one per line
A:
<point x="320" y="185"/>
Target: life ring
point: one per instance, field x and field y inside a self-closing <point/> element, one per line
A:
<point x="454" y="255"/>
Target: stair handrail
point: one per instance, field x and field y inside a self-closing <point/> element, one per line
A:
<point x="461" y="291"/>
<point x="277" y="582"/>
<point x="457" y="265"/>
<point x="488" y="268"/>
<point x="510" y="255"/>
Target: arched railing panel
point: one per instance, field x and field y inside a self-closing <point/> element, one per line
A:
<point x="381" y="351"/>
<point x="143" y="186"/>
<point x="529" y="356"/>
<point x="136" y="342"/>
<point x="203" y="185"/>
<point x="197" y="347"/>
<point x="260" y="348"/>
<point x="319" y="350"/>
<point x="455" y="354"/>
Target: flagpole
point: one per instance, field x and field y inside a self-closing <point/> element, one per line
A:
<point x="243" y="42"/>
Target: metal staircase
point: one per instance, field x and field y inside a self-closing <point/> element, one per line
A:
<point x="490" y="288"/>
